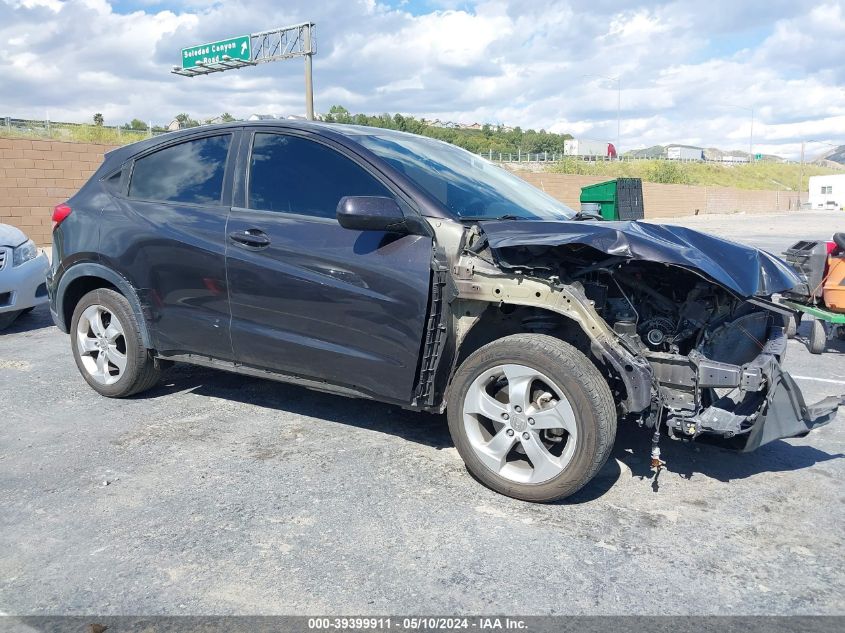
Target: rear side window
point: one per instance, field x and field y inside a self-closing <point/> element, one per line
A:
<point x="190" y="172"/>
<point x="112" y="183"/>
<point x="295" y="175"/>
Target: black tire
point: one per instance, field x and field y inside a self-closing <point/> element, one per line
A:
<point x="141" y="372"/>
<point x="582" y="384"/>
<point x="818" y="337"/>
<point x="791" y="327"/>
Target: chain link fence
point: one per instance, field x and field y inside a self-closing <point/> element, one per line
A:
<point x="556" y="157"/>
<point x="79" y="132"/>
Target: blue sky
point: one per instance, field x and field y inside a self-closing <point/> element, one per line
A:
<point x="690" y="71"/>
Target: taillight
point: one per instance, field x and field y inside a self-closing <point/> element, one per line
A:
<point x="59" y="214"/>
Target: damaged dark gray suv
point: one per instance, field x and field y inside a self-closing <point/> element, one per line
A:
<point x="383" y="265"/>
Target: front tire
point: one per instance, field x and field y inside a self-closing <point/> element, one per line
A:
<point x="531" y="417"/>
<point x="107" y="345"/>
<point x="818" y="337"/>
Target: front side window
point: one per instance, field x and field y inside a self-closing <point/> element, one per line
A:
<point x="191" y="172"/>
<point x="295" y="175"/>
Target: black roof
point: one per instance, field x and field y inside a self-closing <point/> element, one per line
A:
<point x="336" y="130"/>
<point x="341" y="133"/>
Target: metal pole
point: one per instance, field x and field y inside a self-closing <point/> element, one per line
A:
<point x="801" y="182"/>
<point x="751" y="139"/>
<point x="309" y="84"/>
<point x="618" y="113"/>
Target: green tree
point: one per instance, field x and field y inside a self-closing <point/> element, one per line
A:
<point x="226" y="117"/>
<point x="489" y="139"/>
<point x="137" y="124"/>
<point x="98" y="119"/>
<point x="185" y="120"/>
<point x="338" y="114"/>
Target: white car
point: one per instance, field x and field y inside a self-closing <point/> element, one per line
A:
<point x="23" y="275"/>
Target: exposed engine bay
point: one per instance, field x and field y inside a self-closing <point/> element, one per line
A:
<point x="711" y="348"/>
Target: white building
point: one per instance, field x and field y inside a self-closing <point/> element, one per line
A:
<point x="827" y="192"/>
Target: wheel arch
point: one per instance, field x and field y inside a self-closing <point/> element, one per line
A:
<point x="81" y="279"/>
<point x="500" y="320"/>
<point x="480" y="323"/>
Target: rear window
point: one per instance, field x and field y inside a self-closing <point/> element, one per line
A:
<point x="191" y="172"/>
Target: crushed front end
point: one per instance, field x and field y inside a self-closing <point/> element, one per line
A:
<point x="731" y="386"/>
<point x="695" y="308"/>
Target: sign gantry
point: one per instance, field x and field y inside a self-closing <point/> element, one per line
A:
<point x="251" y="50"/>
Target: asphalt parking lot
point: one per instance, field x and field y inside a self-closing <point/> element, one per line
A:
<point x="219" y="494"/>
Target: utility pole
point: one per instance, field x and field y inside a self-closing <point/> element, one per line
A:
<point x="309" y="84"/>
<point x="618" y="80"/>
<point x="801" y="182"/>
<point x="751" y="133"/>
<point x="751" y="138"/>
<point x="618" y="113"/>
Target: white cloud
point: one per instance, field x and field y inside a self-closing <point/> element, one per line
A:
<point x="684" y="65"/>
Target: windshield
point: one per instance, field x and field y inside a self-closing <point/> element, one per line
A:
<point x="467" y="185"/>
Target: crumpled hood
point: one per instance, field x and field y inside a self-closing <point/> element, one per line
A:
<point x="10" y="236"/>
<point x="742" y="269"/>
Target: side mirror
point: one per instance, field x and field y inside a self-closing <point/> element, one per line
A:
<point x="371" y="213"/>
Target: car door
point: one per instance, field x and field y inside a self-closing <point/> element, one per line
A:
<point x="309" y="297"/>
<point x="167" y="236"/>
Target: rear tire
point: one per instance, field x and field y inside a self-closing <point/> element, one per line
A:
<point x="531" y="417"/>
<point x="818" y="337"/>
<point x="108" y="348"/>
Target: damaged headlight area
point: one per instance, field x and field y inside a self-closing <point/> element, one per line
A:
<point x="693" y="310"/>
<point x="742" y="404"/>
<point x="715" y="357"/>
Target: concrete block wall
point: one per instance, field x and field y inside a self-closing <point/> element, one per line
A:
<point x="37" y="175"/>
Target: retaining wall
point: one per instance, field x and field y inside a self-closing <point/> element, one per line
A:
<point x="35" y="176"/>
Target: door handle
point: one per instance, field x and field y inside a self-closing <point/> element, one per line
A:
<point x="250" y="238"/>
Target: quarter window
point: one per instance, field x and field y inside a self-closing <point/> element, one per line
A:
<point x="295" y="175"/>
<point x="190" y="172"/>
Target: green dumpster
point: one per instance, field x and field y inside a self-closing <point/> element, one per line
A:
<point x="620" y="199"/>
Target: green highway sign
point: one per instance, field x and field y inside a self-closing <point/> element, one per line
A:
<point x="235" y="48"/>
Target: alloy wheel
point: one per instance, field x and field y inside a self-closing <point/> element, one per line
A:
<point x="101" y="342"/>
<point x="520" y="424"/>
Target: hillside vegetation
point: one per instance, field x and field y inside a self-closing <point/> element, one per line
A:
<point x="490" y="138"/>
<point x="760" y="175"/>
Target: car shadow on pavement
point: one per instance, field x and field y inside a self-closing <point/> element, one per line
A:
<point x="632" y="447"/>
<point x="686" y="459"/>
<point x="38" y="319"/>
<point x="414" y="426"/>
